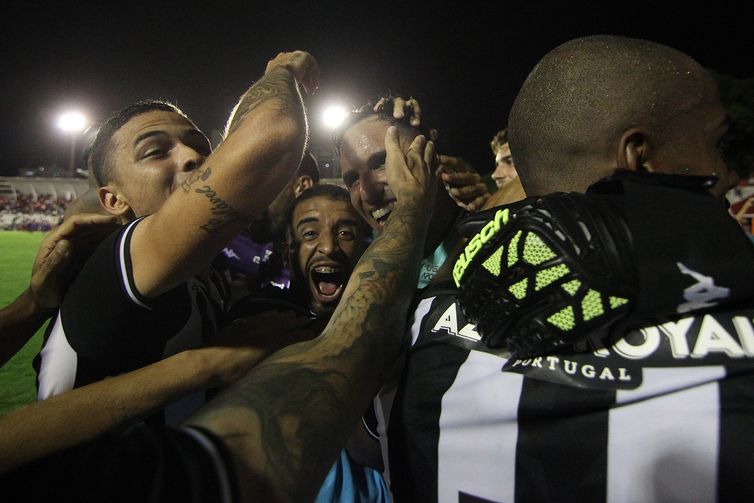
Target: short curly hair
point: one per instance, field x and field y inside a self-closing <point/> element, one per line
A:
<point x="500" y="139"/>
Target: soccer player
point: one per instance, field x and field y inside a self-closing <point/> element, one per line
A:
<point x="598" y="347"/>
<point x="148" y="291"/>
<point x="358" y="143"/>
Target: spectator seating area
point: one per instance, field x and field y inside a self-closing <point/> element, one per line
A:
<point x="36" y="204"/>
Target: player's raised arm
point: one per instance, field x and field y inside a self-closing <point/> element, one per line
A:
<point x="215" y="200"/>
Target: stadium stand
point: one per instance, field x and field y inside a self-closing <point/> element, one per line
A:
<point x="36" y="204"/>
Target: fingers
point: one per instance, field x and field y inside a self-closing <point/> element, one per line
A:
<point x="392" y="146"/>
<point x="50" y="275"/>
<point x="303" y="65"/>
<point x="400" y="107"/>
<point x="83" y="220"/>
<point x="430" y="159"/>
<point x="453" y="164"/>
<point x="379" y="105"/>
<point x="469" y="192"/>
<point x="478" y="203"/>
<point x="447" y="164"/>
<point x="58" y="257"/>
<point x="85" y="230"/>
<point x="85" y="224"/>
<point x="416" y="112"/>
<point x="416" y="152"/>
<point x="455" y="179"/>
<point x="466" y="188"/>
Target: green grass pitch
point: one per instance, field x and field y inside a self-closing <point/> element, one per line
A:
<point x="17" y="251"/>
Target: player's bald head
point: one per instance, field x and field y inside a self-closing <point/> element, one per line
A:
<point x="568" y="118"/>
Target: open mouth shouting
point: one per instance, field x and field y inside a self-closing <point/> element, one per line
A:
<point x="326" y="282"/>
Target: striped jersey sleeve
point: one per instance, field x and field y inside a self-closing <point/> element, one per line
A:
<point x="106" y="327"/>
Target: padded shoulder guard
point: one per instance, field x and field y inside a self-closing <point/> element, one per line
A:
<point x="545" y="272"/>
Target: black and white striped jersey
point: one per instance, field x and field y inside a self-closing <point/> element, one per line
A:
<point x="664" y="414"/>
<point x="104" y="327"/>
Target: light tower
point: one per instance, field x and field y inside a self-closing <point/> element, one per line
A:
<point x="72" y="123"/>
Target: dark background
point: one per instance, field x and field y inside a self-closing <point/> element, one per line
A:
<point x="464" y="62"/>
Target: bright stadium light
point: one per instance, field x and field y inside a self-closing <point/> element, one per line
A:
<point x="72" y="122"/>
<point x="334" y="115"/>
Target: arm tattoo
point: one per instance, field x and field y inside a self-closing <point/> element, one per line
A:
<point x="196" y="175"/>
<point x="277" y="85"/>
<point x="306" y="399"/>
<point x="223" y="213"/>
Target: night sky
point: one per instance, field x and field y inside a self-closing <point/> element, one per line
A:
<point x="464" y="63"/>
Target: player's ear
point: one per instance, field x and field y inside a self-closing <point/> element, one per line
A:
<point x="303" y="183"/>
<point x="114" y="202"/>
<point x="634" y="151"/>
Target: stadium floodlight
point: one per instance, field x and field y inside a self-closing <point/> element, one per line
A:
<point x="334" y="115"/>
<point x="72" y="122"/>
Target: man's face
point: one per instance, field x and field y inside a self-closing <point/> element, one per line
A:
<point x="153" y="154"/>
<point x="362" y="162"/>
<point x="693" y="144"/>
<point x="504" y="169"/>
<point x="330" y="239"/>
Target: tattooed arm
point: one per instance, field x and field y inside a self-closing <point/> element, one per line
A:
<point x="266" y="138"/>
<point x="285" y="421"/>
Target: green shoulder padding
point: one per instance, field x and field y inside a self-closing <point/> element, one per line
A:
<point x="519" y="289"/>
<point x="591" y="305"/>
<point x="535" y="250"/>
<point x="513" y="249"/>
<point x="492" y="263"/>
<point x="617" y="302"/>
<point x="547" y="276"/>
<point x="572" y="286"/>
<point x="563" y="319"/>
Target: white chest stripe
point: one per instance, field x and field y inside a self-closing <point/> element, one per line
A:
<point x="57" y="372"/>
<point x="421" y="311"/>
<point x="478" y="424"/>
<point x="122" y="265"/>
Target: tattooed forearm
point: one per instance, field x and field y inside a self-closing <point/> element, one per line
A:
<point x="196" y="175"/>
<point x="277" y="85"/>
<point x="297" y="408"/>
<point x="293" y="441"/>
<point x="222" y="212"/>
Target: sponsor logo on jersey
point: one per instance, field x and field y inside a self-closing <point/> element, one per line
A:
<point x="449" y="322"/>
<point x="701" y="294"/>
<point x="708" y="339"/>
